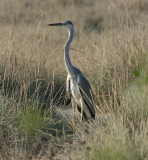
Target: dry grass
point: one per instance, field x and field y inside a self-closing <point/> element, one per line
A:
<point x="110" y="47"/>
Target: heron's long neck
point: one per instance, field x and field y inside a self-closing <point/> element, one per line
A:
<point x="68" y="63"/>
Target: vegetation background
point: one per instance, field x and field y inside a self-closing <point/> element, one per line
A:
<point x="110" y="47"/>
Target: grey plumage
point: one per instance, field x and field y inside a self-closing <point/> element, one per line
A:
<point x="76" y="83"/>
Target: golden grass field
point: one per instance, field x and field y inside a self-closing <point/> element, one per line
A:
<point x="110" y="47"/>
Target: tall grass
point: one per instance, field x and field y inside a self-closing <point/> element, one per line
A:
<point x="110" y="48"/>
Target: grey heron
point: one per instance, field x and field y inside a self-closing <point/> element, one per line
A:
<point x="77" y="84"/>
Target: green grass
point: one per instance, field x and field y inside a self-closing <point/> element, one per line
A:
<point x="31" y="121"/>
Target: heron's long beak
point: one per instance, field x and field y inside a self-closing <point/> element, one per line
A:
<point x="54" y="24"/>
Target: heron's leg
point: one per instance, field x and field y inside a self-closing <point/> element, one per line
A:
<point x="82" y="109"/>
<point x="73" y="106"/>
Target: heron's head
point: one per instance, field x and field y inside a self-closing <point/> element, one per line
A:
<point x="66" y="24"/>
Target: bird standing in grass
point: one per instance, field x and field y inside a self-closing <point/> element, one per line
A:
<point x="77" y="84"/>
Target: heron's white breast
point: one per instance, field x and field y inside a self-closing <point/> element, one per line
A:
<point x="75" y="91"/>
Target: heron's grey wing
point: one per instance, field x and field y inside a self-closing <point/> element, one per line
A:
<point x="86" y="92"/>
